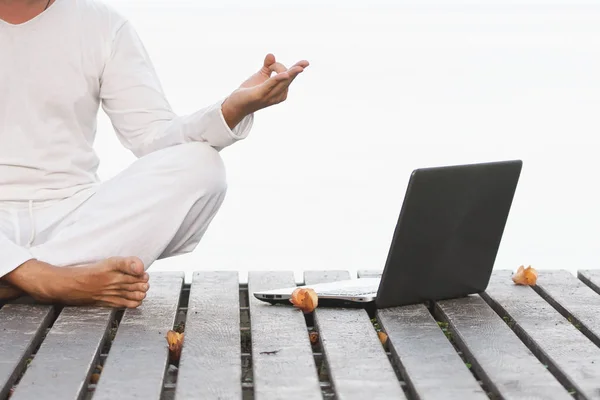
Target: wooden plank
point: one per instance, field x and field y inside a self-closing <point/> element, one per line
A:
<point x="357" y="363"/>
<point x="590" y="277"/>
<point x="573" y="299"/>
<point x="65" y="361"/>
<point x="211" y="361"/>
<point x="427" y="360"/>
<point x="570" y="356"/>
<point x="136" y="364"/>
<point x="282" y="359"/>
<point x="499" y="358"/>
<point x="22" y="326"/>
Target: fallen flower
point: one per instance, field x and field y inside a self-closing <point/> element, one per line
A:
<point x="96" y="375"/>
<point x="94" y="378"/>
<point x="180" y="328"/>
<point x="314" y="337"/>
<point x="525" y="276"/>
<point x="305" y="299"/>
<point x="383" y="337"/>
<point x="175" y="341"/>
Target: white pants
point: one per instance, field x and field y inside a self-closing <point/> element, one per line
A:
<point x="158" y="207"/>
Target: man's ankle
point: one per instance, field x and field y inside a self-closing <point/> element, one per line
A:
<point x="9" y="292"/>
<point x="27" y="275"/>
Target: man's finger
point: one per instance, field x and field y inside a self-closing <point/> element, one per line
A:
<point x="295" y="71"/>
<point x="302" y="63"/>
<point x="269" y="60"/>
<point x="278" y="67"/>
<point x="282" y="81"/>
<point x="275" y="81"/>
<point x="280" y="88"/>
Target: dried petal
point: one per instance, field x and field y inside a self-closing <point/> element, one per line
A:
<point x="175" y="341"/>
<point x="305" y="299"/>
<point x="96" y="374"/>
<point x="525" y="276"/>
<point x="180" y="328"/>
<point x="383" y="337"/>
<point x="314" y="337"/>
<point x="95" y="378"/>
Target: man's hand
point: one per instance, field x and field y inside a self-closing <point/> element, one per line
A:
<point x="261" y="90"/>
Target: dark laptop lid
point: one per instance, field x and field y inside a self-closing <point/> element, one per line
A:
<point x="448" y="232"/>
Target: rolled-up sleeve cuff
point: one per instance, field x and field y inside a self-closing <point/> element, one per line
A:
<point x="12" y="256"/>
<point x="215" y="130"/>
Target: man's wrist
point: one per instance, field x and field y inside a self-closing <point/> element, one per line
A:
<point x="232" y="115"/>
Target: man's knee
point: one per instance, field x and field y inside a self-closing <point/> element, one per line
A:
<point x="197" y="167"/>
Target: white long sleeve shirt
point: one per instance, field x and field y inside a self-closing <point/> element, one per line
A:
<point x="55" y="72"/>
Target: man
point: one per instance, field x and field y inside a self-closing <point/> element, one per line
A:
<point x="65" y="237"/>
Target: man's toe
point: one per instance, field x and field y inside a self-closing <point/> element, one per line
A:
<point x="127" y="265"/>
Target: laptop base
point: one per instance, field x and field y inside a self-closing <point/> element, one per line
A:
<point x="327" y="303"/>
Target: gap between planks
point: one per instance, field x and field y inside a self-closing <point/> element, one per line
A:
<point x="282" y="356"/>
<point x="36" y="320"/>
<point x="498" y="357"/>
<point x="355" y="358"/>
<point x="248" y="386"/>
<point x="575" y="299"/>
<point x="570" y="356"/>
<point x="425" y="354"/>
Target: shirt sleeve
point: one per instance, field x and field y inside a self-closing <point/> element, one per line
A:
<point x="133" y="99"/>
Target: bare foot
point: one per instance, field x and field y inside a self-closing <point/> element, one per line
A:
<point x="114" y="282"/>
<point x="9" y="293"/>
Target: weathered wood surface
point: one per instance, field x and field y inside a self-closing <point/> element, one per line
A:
<point x="65" y="360"/>
<point x="138" y="358"/>
<point x="498" y="356"/>
<point x="574" y="299"/>
<point x="21" y="329"/>
<point x="282" y="359"/>
<point x="210" y="366"/>
<point x="591" y="278"/>
<point x="571" y="356"/>
<point x="427" y="360"/>
<point x="357" y="363"/>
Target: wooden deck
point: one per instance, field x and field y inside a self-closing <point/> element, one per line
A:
<point x="512" y="342"/>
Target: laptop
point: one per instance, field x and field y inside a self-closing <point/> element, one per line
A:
<point x="445" y="241"/>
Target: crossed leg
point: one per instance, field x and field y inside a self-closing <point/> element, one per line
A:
<point x="159" y="207"/>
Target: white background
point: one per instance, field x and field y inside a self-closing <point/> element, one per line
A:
<point x="392" y="86"/>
